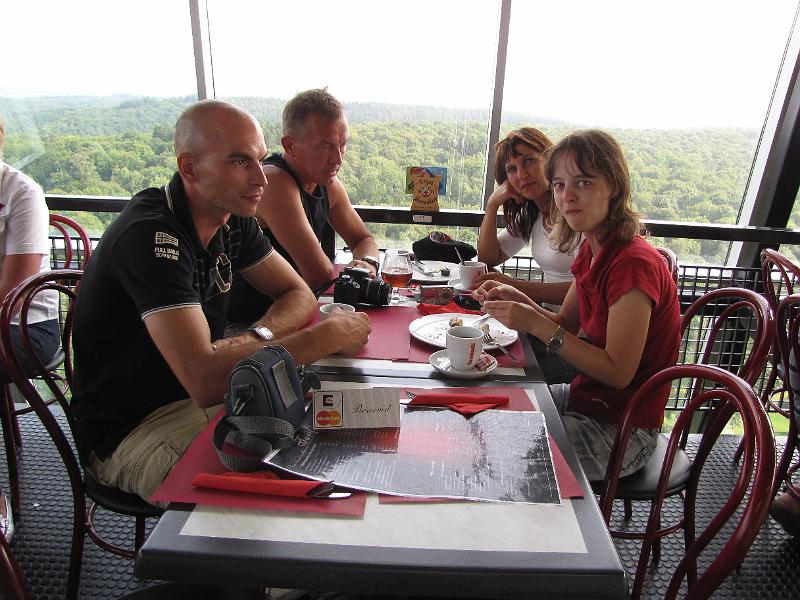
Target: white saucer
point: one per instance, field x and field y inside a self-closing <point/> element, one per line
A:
<point x="456" y="285"/>
<point x="441" y="363"/>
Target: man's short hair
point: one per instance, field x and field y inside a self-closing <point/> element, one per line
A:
<point x="303" y="105"/>
<point x="195" y="123"/>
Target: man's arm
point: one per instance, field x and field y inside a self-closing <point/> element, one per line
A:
<point x="293" y="302"/>
<point x="282" y="211"/>
<point x="183" y="338"/>
<point x="348" y="224"/>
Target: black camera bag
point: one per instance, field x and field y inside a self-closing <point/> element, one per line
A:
<point x="440" y="246"/>
<point x="263" y="407"/>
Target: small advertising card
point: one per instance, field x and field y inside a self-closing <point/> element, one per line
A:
<point x="357" y="408"/>
<point x="430" y="171"/>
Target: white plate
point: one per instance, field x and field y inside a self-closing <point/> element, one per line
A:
<point x="437" y="277"/>
<point x="441" y="363"/>
<point x="431" y="329"/>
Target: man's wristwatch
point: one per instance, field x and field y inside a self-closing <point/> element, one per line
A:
<point x="555" y="341"/>
<point x="262" y="332"/>
<point x="372" y="261"/>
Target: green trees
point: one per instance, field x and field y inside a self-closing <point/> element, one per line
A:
<point x="119" y="146"/>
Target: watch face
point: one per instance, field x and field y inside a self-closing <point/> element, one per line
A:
<point x="264" y="332"/>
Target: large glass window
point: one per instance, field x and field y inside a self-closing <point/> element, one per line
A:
<point x="90" y="93"/>
<point x="416" y="78"/>
<point x="685" y="87"/>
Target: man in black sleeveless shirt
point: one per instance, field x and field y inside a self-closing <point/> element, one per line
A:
<point x="305" y="203"/>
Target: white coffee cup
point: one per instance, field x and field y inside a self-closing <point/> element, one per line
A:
<point x="464" y="346"/>
<point x="469" y="270"/>
<point x="326" y="310"/>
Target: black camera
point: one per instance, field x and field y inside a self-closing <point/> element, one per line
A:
<point x="355" y="286"/>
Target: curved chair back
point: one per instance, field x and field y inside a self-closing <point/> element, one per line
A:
<point x="728" y="393"/>
<point x="731" y="328"/>
<point x="21" y="296"/>
<point x="75" y="248"/>
<point x="780" y="276"/>
<point x="672" y="261"/>
<point x="787" y="326"/>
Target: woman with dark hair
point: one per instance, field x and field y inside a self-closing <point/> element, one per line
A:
<point x="525" y="196"/>
<point x="623" y="299"/>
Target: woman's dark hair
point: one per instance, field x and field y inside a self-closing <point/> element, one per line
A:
<point x="595" y="152"/>
<point x="519" y="217"/>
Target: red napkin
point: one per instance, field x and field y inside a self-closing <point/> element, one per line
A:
<point x="451" y="307"/>
<point x="261" y="482"/>
<point x="465" y="404"/>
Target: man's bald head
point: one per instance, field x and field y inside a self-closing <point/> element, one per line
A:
<point x="203" y="122"/>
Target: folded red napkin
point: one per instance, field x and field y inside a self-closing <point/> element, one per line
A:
<point x="261" y="482"/>
<point x="451" y="307"/>
<point x="465" y="404"/>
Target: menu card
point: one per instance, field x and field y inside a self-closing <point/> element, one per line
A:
<point x="496" y="455"/>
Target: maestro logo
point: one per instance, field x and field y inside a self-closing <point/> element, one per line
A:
<point x="329" y="418"/>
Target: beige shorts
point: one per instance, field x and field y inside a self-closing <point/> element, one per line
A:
<point x="147" y="454"/>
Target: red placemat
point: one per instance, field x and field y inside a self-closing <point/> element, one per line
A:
<point x="390" y="338"/>
<point x="201" y="457"/>
<point x="518" y="399"/>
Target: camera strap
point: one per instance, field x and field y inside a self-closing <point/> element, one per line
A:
<point x="318" y="292"/>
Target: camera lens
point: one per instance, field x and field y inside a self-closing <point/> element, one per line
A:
<point x="375" y="292"/>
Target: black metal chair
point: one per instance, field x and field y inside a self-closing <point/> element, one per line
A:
<point x="82" y="483"/>
<point x="71" y="250"/>
<point x="672" y="473"/>
<point x="788" y="335"/>
<point x="731" y="328"/>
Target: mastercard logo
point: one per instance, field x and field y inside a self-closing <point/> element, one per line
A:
<point x="328" y="418"/>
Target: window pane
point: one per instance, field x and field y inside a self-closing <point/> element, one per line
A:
<point x="685" y="87"/>
<point x="416" y="79"/>
<point x="92" y="92"/>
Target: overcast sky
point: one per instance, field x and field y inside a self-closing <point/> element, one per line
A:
<point x="613" y="63"/>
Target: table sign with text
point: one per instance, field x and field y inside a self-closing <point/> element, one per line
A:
<point x="356" y="408"/>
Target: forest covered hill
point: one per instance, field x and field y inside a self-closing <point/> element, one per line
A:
<point x="116" y="146"/>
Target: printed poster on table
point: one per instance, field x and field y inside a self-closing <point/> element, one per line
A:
<point x="495" y="455"/>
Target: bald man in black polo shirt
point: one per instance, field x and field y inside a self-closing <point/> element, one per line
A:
<point x="153" y="302"/>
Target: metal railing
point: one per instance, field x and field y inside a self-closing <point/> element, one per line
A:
<point x="693" y="280"/>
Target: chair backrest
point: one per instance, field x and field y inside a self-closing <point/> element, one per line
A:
<point x="787" y="326"/>
<point x="731" y="328"/>
<point x="65" y="282"/>
<point x="728" y="393"/>
<point x="781" y="276"/>
<point x="672" y="261"/>
<point x="74" y="248"/>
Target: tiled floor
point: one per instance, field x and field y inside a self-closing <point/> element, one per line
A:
<point x="771" y="570"/>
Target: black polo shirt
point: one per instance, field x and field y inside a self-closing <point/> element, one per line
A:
<point x="149" y="259"/>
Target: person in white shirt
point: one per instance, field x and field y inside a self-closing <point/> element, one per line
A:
<point x="25" y="251"/>
<point x="526" y="198"/>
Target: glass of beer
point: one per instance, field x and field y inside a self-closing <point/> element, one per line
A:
<point x="396" y="272"/>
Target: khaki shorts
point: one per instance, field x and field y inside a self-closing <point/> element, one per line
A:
<point x="147" y="454"/>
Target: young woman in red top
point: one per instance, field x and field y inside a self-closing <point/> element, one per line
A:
<point x="623" y="300"/>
